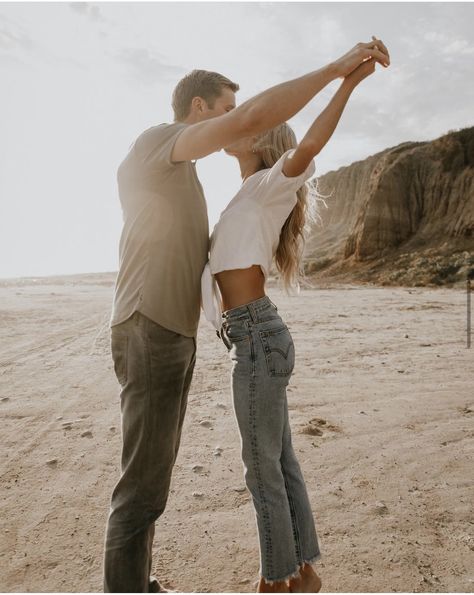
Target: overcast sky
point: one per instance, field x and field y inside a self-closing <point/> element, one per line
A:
<point x="80" y="81"/>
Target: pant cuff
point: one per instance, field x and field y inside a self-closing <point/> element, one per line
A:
<point x="294" y="574"/>
<point x="312" y="560"/>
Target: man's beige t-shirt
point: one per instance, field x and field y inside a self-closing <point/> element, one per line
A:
<point x="165" y="238"/>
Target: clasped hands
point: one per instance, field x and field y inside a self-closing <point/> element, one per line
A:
<point x="359" y="62"/>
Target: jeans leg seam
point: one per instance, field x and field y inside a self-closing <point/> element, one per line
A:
<point x="294" y="521"/>
<point x="256" y="465"/>
<point x="252" y="352"/>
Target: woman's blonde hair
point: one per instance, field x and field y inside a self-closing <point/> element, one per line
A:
<point x="271" y="145"/>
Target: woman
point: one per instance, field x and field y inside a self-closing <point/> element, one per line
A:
<point x="266" y="219"/>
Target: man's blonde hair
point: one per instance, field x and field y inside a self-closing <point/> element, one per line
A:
<point x="199" y="83"/>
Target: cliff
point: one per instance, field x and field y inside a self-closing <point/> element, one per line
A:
<point x="403" y="216"/>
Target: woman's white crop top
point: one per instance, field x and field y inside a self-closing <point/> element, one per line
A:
<point x="248" y="230"/>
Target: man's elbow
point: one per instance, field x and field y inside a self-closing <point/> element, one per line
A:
<point x="249" y="121"/>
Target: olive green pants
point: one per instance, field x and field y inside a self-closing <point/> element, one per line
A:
<point x="154" y="367"/>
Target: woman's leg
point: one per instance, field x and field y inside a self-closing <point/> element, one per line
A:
<point x="306" y="541"/>
<point x="259" y="404"/>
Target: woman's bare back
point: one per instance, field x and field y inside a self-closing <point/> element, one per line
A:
<point x="240" y="286"/>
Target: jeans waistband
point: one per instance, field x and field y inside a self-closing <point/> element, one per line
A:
<point x="249" y="311"/>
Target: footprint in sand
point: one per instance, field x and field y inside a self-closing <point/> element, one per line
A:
<point x="312" y="430"/>
<point x="317" y="425"/>
<point x="380" y="508"/>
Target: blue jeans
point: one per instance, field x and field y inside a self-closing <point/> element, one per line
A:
<point x="262" y="353"/>
<point x="154" y="367"/>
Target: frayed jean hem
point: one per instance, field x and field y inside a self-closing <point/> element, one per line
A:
<point x="296" y="573"/>
<point x="312" y="560"/>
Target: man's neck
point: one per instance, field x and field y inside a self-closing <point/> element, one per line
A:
<point x="191" y="119"/>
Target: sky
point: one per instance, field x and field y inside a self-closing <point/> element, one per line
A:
<point x="80" y="81"/>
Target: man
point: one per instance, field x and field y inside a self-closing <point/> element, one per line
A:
<point x="163" y="250"/>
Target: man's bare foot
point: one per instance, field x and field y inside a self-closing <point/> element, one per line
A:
<point x="307" y="582"/>
<point x="276" y="587"/>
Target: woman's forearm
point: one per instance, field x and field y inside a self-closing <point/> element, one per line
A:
<point x="325" y="124"/>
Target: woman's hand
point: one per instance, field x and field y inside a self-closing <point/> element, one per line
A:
<point x="360" y="53"/>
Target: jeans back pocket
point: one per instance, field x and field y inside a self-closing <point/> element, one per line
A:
<point x="279" y="351"/>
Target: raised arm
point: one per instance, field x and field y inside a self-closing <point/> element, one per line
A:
<point x="271" y="107"/>
<point x="323" y="127"/>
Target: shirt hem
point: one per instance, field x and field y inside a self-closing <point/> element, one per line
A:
<point x="167" y="325"/>
<point x="164" y="324"/>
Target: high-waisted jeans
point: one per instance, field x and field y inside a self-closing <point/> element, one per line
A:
<point x="262" y="353"/>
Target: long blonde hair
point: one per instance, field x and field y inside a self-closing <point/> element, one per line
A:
<point x="271" y="145"/>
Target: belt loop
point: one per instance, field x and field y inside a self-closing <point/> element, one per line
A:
<point x="221" y="331"/>
<point x="222" y="336"/>
<point x="252" y="312"/>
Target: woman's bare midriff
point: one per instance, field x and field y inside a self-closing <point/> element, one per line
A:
<point x="240" y="286"/>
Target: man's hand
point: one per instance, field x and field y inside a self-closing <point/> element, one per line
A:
<point x="360" y="53"/>
<point x="361" y="72"/>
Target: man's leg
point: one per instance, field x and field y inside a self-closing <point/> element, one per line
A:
<point x="154" y="585"/>
<point x="154" y="367"/>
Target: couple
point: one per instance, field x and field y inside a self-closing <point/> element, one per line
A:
<point x="164" y="249"/>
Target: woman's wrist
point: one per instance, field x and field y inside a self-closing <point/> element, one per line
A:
<point x="348" y="84"/>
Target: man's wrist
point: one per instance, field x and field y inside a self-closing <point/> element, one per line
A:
<point x="333" y="71"/>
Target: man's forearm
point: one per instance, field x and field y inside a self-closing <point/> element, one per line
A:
<point x="325" y="124"/>
<point x="258" y="114"/>
<point x="283" y="101"/>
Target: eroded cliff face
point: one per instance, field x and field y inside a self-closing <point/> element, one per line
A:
<point x="404" y="215"/>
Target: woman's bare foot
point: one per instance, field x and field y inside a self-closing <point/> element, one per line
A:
<point x="307" y="582"/>
<point x="276" y="587"/>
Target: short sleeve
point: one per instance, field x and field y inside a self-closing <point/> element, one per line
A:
<point x="275" y="180"/>
<point x="154" y="146"/>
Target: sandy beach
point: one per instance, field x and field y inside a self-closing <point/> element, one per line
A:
<point x="381" y="405"/>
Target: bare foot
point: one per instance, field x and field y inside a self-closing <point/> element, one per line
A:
<point x="276" y="587"/>
<point x="307" y="582"/>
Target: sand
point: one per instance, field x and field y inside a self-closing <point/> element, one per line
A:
<point x="381" y="407"/>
